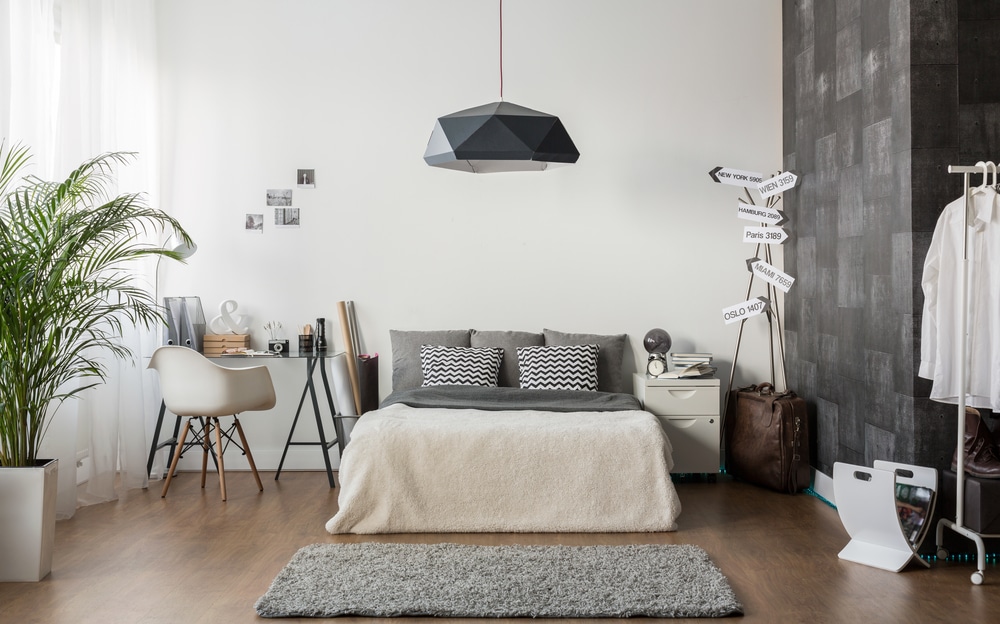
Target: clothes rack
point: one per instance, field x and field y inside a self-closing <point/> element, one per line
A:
<point x="958" y="525"/>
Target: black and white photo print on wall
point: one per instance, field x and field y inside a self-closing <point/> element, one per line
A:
<point x="255" y="223"/>
<point x="306" y="178"/>
<point x="279" y="197"/>
<point x="286" y="217"/>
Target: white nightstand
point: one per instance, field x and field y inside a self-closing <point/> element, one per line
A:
<point x="688" y="409"/>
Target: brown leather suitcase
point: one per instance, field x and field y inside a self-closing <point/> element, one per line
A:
<point x="767" y="438"/>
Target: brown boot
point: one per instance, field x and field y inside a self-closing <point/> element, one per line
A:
<point x="981" y="457"/>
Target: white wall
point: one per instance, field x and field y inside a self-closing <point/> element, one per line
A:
<point x="635" y="235"/>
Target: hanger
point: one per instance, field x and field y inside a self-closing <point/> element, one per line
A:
<point x="991" y="165"/>
<point x="986" y="171"/>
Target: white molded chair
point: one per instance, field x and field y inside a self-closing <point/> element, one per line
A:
<point x="194" y="387"/>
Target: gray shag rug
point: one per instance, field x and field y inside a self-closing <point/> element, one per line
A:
<point x="454" y="580"/>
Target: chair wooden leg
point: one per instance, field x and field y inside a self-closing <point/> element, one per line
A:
<point x="206" y="444"/>
<point x="177" y="456"/>
<point x="246" y="449"/>
<point x="218" y="453"/>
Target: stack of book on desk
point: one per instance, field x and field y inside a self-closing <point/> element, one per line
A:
<point x="688" y="365"/>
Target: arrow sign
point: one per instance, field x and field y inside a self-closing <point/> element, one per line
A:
<point x="778" y="184"/>
<point x="768" y="273"/>
<point x="736" y="177"/>
<point x="766" y="235"/>
<point x="763" y="214"/>
<point x="745" y="310"/>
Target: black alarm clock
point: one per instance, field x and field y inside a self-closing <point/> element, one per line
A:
<point x="656" y="365"/>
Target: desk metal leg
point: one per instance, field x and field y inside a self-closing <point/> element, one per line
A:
<point x="319" y="422"/>
<point x="295" y="422"/>
<point x="310" y="388"/>
<point x="156" y="438"/>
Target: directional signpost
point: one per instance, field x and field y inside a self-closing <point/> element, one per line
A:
<point x="768" y="232"/>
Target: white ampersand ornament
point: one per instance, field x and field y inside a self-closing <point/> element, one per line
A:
<point x="226" y="322"/>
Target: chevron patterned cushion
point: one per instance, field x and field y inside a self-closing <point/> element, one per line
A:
<point x="559" y="367"/>
<point x="460" y="366"/>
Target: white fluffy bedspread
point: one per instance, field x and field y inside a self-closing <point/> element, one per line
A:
<point x="410" y="470"/>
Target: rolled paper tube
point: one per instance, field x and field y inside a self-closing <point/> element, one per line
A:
<point x="342" y="386"/>
<point x="352" y="362"/>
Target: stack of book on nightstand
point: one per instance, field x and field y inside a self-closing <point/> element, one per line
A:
<point x="690" y="365"/>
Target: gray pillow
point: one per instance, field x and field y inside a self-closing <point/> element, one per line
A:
<point x="609" y="361"/>
<point x="509" y="341"/>
<point x="406" y="371"/>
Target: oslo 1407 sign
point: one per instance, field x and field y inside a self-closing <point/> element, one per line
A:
<point x="745" y="310"/>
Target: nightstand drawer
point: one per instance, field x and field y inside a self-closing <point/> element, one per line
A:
<point x="695" y="442"/>
<point x="687" y="401"/>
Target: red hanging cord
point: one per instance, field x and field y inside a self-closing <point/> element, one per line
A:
<point x="501" y="50"/>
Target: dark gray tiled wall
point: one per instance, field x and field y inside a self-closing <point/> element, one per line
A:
<point x="879" y="97"/>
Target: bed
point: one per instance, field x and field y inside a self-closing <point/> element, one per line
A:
<point x="443" y="457"/>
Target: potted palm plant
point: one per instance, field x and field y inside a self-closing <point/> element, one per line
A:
<point x="67" y="287"/>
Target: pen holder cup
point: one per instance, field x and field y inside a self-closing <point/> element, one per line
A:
<point x="305" y="342"/>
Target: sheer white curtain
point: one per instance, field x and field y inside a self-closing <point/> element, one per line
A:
<point x="81" y="80"/>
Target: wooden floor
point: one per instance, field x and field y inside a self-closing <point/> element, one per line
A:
<point x="192" y="558"/>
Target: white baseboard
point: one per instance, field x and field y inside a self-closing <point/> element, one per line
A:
<point x="823" y="486"/>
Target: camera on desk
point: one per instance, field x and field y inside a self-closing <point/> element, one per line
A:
<point x="278" y="346"/>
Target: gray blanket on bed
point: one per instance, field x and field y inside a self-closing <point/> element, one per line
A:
<point x="498" y="399"/>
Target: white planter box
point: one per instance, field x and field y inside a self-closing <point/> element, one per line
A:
<point x="27" y="521"/>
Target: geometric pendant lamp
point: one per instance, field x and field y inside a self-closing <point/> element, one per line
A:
<point x="499" y="137"/>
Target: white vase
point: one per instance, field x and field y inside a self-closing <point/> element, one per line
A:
<point x="27" y="521"/>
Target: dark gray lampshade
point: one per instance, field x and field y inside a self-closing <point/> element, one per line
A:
<point x="499" y="137"/>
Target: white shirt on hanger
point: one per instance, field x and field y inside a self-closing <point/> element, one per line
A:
<point x="939" y="340"/>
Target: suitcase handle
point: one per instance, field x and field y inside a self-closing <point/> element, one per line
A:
<point x="765" y="388"/>
<point x="768" y="389"/>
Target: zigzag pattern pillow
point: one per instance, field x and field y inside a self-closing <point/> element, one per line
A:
<point x="558" y="367"/>
<point x="460" y="366"/>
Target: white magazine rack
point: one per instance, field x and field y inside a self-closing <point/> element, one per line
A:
<point x="868" y="507"/>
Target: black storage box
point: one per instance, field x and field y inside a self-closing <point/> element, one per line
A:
<point x="982" y="501"/>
